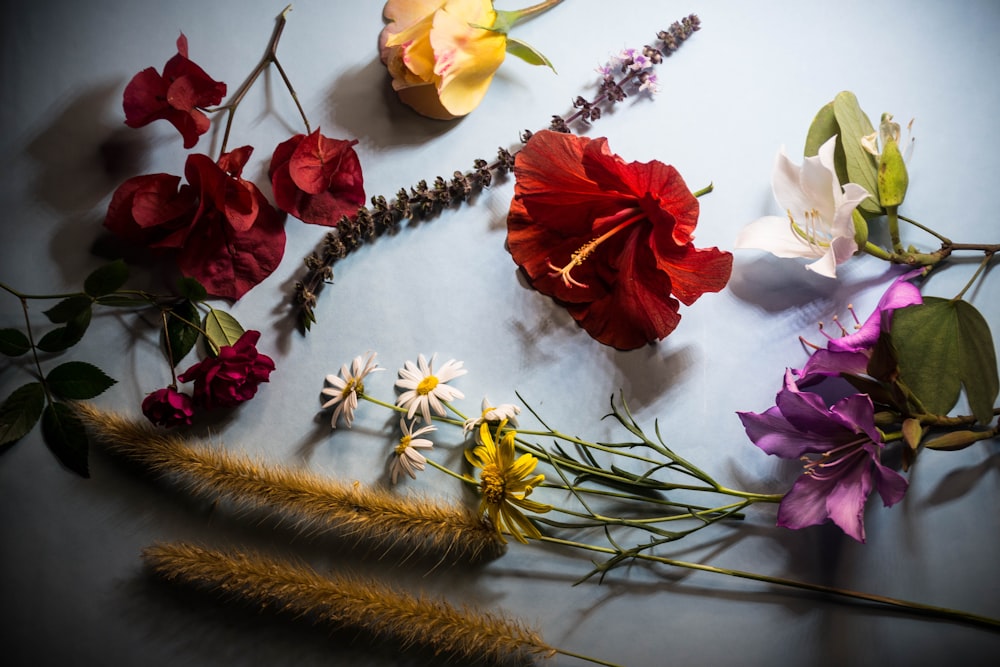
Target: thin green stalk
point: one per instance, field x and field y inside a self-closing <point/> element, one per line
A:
<point x="982" y="266"/>
<point x="913" y="607"/>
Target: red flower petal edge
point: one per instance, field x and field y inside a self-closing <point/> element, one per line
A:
<point x="611" y="241"/>
<point x="317" y="179"/>
<point x="178" y="95"/>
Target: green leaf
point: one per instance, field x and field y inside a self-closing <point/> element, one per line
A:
<point x="861" y="165"/>
<point x="20" y="411"/>
<point x="191" y="289"/>
<point x="527" y="53"/>
<point x="119" y="301"/>
<point x="66" y="437"/>
<point x="977" y="361"/>
<point x="78" y="380"/>
<point x="65" y="337"/>
<point x="13" y="342"/>
<point x="943" y="345"/>
<point x="68" y="308"/>
<point x="222" y="329"/>
<point x="181" y="334"/>
<point x="823" y="127"/>
<point x="926" y="341"/>
<point x="106" y="279"/>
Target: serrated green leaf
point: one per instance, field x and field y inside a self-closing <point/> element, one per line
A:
<point x="977" y="361"/>
<point x="106" y="279"/>
<point x="191" y="289"/>
<point x="66" y="437"/>
<point x="527" y="53"/>
<point x="222" y="329"/>
<point x="67" y="336"/>
<point x="68" y="308"/>
<point x="181" y="333"/>
<point x="13" y="342"/>
<point x="78" y="380"/>
<point x="861" y="165"/>
<point x="20" y="412"/>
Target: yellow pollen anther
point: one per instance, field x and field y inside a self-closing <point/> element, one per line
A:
<point x="427" y="385"/>
<point x="492" y="484"/>
<point x="404" y="442"/>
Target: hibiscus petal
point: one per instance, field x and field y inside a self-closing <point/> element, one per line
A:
<point x="891" y="485"/>
<point x="694" y="271"/>
<point x="858" y="411"/>
<point x="638" y="308"/>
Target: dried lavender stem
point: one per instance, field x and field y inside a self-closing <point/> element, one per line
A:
<point x="425" y="201"/>
<point x="371" y="516"/>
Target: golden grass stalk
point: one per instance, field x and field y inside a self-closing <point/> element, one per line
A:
<point x="371" y="516"/>
<point x="461" y="634"/>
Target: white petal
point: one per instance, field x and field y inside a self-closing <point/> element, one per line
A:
<point x="774" y="235"/>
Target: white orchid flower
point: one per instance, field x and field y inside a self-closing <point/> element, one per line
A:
<point x="817" y="223"/>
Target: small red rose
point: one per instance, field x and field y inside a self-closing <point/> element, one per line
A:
<point x="231" y="377"/>
<point x="168" y="407"/>
<point x="317" y="179"/>
<point x="611" y="241"/>
<point x="178" y="95"/>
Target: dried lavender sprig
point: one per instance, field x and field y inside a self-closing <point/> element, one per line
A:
<point x="425" y="201"/>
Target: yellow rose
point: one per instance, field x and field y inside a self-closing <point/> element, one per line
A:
<point x="440" y="63"/>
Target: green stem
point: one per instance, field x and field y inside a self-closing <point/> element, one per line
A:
<point x="913" y="607"/>
<point x="892" y="218"/>
<point x="943" y="239"/>
<point x="21" y="295"/>
<point x="519" y="15"/>
<point x="580" y="656"/>
<point x="34" y="350"/>
<point x="982" y="266"/>
<point x="705" y="190"/>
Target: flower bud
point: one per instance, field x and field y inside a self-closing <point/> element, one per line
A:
<point x="892" y="177"/>
<point x="953" y="441"/>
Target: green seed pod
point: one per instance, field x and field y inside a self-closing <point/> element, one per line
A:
<point x="892" y="177"/>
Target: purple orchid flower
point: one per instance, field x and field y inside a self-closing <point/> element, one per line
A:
<point x="849" y="353"/>
<point x="840" y="446"/>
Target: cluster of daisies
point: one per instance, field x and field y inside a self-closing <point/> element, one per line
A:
<point x="424" y="395"/>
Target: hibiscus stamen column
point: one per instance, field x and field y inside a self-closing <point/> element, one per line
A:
<point x="580" y="256"/>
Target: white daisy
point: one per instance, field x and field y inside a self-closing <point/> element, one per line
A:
<point x="502" y="412"/>
<point x="426" y="390"/>
<point x="346" y="387"/>
<point x="407" y="458"/>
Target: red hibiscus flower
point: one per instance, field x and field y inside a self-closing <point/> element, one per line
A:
<point x="317" y="179"/>
<point x="611" y="241"/>
<point x="227" y="235"/>
<point x="231" y="377"/>
<point x="178" y="95"/>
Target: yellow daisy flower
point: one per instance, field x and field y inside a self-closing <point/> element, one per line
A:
<point x="504" y="484"/>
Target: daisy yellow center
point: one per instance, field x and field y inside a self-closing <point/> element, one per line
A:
<point x="404" y="442"/>
<point x="427" y="385"/>
<point x="493" y="485"/>
<point x="353" y="385"/>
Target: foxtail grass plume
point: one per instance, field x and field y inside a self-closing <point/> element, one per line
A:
<point x="370" y="516"/>
<point x="460" y="634"/>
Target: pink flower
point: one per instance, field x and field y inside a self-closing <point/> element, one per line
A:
<point x="168" y="407"/>
<point x="178" y="95"/>
<point x="232" y="377"/>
